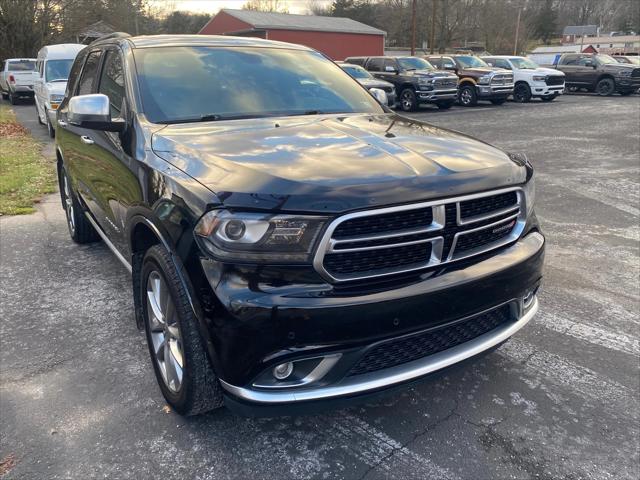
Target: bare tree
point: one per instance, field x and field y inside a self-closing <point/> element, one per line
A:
<point x="266" y="6"/>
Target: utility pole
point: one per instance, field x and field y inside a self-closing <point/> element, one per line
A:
<point x="432" y="39"/>
<point x="413" y="27"/>
<point x="515" y="44"/>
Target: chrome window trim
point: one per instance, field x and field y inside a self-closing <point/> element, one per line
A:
<point x="325" y="245"/>
<point x="389" y="376"/>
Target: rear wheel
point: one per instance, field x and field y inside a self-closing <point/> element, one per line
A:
<point x="13" y="99"/>
<point x="605" y="87"/>
<point x="408" y="100"/>
<point x="522" y="93"/>
<point x="80" y="227"/>
<point x="445" y="105"/>
<point x="4" y="96"/>
<point x="467" y="96"/>
<point x="179" y="358"/>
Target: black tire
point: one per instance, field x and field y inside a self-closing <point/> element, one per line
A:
<point x="50" y="130"/>
<point x="498" y="101"/>
<point x="522" y="93"/>
<point x="13" y="99"/>
<point x="467" y="96"/>
<point x="80" y="227"/>
<point x="199" y="390"/>
<point x="548" y="98"/>
<point x="445" y="105"/>
<point x="5" y="96"/>
<point x="408" y="100"/>
<point x="624" y="93"/>
<point x="606" y="87"/>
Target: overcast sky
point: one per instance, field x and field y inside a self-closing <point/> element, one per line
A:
<point x="212" y="6"/>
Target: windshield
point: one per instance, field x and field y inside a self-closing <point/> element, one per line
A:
<point x="605" y="59"/>
<point x="57" y="70"/>
<point x="22" y="66"/>
<point x="414" y="63"/>
<point x="634" y="60"/>
<point x="523" y="63"/>
<point x="469" y="61"/>
<point x="356" y="72"/>
<point x="188" y="84"/>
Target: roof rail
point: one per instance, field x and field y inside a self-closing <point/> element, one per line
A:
<point x="110" y="36"/>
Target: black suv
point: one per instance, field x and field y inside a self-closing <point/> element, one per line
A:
<point x="599" y="73"/>
<point x="289" y="239"/>
<point x="416" y="80"/>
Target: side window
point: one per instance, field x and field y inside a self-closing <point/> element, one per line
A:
<point x="569" y="60"/>
<point x="502" y="63"/>
<point x="88" y="79"/>
<point x="112" y="82"/>
<point x="490" y="61"/>
<point x="356" y="61"/>
<point x="375" y="65"/>
<point x="390" y="65"/>
<point x="585" y="61"/>
<point x="448" y="63"/>
<point x="436" y="62"/>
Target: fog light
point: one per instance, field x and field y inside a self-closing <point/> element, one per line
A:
<point x="283" y="370"/>
<point x="527" y="300"/>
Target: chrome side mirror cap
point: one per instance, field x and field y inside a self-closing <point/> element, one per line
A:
<point x="379" y="95"/>
<point x="93" y="112"/>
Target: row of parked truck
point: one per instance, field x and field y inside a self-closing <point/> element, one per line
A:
<point x="467" y="79"/>
<point x="407" y="81"/>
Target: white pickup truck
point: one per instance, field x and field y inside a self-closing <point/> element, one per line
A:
<point x="529" y="78"/>
<point x="17" y="78"/>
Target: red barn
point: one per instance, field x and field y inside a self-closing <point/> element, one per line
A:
<point x="336" y="37"/>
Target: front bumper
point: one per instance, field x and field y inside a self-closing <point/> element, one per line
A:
<point x="494" y="92"/>
<point x="432" y="96"/>
<point x="261" y="329"/>
<point x="543" y="90"/>
<point x="21" y="90"/>
<point x="627" y="83"/>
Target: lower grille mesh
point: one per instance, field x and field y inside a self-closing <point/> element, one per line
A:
<point x="378" y="259"/>
<point x="406" y="349"/>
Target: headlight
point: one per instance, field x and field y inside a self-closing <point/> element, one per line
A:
<point x="539" y="78"/>
<point x="485" y="79"/>
<point x="54" y="98"/>
<point x="529" y="187"/>
<point x="426" y="81"/>
<point x="625" y="73"/>
<point x="258" y="237"/>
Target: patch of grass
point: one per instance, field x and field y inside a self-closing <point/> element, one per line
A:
<point x="24" y="174"/>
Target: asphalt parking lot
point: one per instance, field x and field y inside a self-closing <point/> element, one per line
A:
<point x="78" y="398"/>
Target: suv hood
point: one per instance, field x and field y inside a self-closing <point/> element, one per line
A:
<point x="430" y="73"/>
<point x="483" y="70"/>
<point x="56" y="88"/>
<point x="374" y="82"/>
<point x="332" y="163"/>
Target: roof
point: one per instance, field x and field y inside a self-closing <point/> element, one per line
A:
<point x="61" y="50"/>
<point x="560" y="49"/>
<point x="616" y="39"/>
<point x="580" y="30"/>
<point x="287" y="21"/>
<point x="146" y="41"/>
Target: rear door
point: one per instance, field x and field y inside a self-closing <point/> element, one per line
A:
<point x="569" y="65"/>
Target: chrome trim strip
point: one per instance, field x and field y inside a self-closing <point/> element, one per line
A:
<point x="378" y="247"/>
<point x="390" y="376"/>
<point x="108" y="243"/>
<point x="496" y="213"/>
<point x="325" y="244"/>
<point x="516" y="231"/>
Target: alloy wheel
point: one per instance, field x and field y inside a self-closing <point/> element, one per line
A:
<point x="605" y="87"/>
<point x="165" y="334"/>
<point x="465" y="96"/>
<point x="68" y="206"/>
<point x="407" y="101"/>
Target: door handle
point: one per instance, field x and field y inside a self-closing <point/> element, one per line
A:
<point x="62" y="123"/>
<point x="87" y="140"/>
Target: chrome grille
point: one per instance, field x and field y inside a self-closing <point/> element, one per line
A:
<point x="502" y="79"/>
<point x="406" y="238"/>
<point x="446" y="83"/>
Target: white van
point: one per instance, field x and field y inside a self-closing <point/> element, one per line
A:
<point x="53" y="65"/>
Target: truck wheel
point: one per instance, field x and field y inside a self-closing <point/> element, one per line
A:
<point x="548" y="98"/>
<point x="179" y="358"/>
<point x="13" y="99"/>
<point x="50" y="129"/>
<point x="467" y="96"/>
<point x="605" y="87"/>
<point x="522" y="93"/>
<point x="5" y="96"/>
<point x="498" y="101"/>
<point x="408" y="100"/>
<point x="445" y="105"/>
<point x="80" y="228"/>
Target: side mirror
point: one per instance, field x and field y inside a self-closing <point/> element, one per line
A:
<point x="379" y="95"/>
<point x="93" y="112"/>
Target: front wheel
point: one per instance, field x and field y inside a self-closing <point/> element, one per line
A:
<point x="445" y="105"/>
<point x="80" y="227"/>
<point x="177" y="350"/>
<point x="605" y="87"/>
<point x="522" y="93"/>
<point x="467" y="96"/>
<point x="408" y="100"/>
